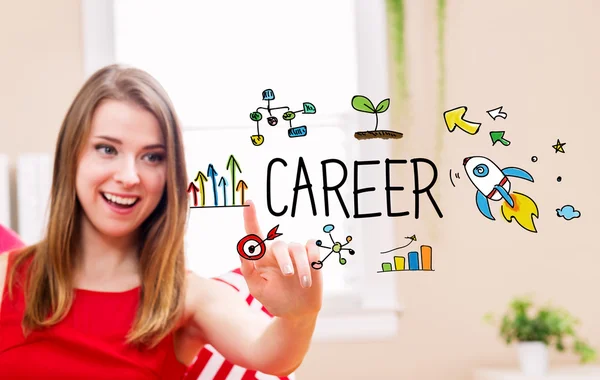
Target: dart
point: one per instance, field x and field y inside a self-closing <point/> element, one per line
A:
<point x="252" y="247"/>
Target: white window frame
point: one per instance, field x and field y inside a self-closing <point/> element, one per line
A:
<point x="372" y="313"/>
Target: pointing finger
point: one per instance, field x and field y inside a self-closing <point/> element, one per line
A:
<point x="250" y="221"/>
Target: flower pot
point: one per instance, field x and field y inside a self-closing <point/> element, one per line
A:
<point x="533" y="358"/>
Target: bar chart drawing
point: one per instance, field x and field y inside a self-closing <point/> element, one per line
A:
<point x="417" y="261"/>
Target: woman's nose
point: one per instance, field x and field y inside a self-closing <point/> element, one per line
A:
<point x="127" y="174"/>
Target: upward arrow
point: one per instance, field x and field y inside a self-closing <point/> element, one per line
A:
<point x="202" y="179"/>
<point x="192" y="187"/>
<point x="497" y="112"/>
<point x="223" y="182"/>
<point x="232" y="162"/>
<point x="212" y="173"/>
<point x="455" y="118"/>
<point x="241" y="186"/>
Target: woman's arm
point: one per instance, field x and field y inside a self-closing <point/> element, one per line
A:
<point x="281" y="280"/>
<point x="247" y="337"/>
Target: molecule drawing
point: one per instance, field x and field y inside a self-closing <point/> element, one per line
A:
<point x="268" y="95"/>
<point x="337" y="248"/>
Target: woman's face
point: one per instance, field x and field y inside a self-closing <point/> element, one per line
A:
<point x="121" y="173"/>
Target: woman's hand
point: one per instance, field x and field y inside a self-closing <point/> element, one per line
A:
<point x="283" y="280"/>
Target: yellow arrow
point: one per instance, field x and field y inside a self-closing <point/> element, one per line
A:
<point x="454" y="118"/>
<point x="200" y="176"/>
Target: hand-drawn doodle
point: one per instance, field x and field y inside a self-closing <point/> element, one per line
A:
<point x="413" y="262"/>
<point x="497" y="112"/>
<point x="337" y="248"/>
<point x="252" y="247"/>
<point x="456" y="175"/>
<point x="240" y="187"/>
<point x="559" y="147"/>
<point x="364" y="104"/>
<point x="301" y="172"/>
<point x="411" y="238"/>
<point x="534" y="158"/>
<point x="498" y="136"/>
<point x="455" y="118"/>
<point x="268" y="95"/>
<point x="492" y="184"/>
<point x="568" y="212"/>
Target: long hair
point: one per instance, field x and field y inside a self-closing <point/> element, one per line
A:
<point x="49" y="285"/>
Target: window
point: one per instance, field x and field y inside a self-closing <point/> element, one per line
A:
<point x="215" y="62"/>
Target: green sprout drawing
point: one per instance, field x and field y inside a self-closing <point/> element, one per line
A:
<point x="364" y="104"/>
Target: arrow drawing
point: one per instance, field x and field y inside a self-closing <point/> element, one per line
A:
<point x="412" y="238"/>
<point x="241" y="186"/>
<point x="223" y="182"/>
<point x="233" y="163"/>
<point x="212" y="173"/>
<point x="455" y="118"/>
<point x="499" y="136"/>
<point x="497" y="112"/>
<point x="193" y="187"/>
<point x="200" y="176"/>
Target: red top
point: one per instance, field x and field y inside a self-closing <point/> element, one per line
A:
<point x="88" y="344"/>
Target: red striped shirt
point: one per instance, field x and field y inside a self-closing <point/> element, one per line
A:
<point x="210" y="364"/>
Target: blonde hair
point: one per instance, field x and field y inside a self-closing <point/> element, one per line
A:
<point x="49" y="281"/>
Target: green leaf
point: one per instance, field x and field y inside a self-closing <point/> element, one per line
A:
<point x="362" y="104"/>
<point x="383" y="105"/>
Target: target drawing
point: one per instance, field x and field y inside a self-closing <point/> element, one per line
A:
<point x="252" y="247"/>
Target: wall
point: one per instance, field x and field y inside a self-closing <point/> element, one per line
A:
<point x="537" y="59"/>
<point x="42" y="68"/>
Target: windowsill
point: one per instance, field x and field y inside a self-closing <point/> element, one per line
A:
<point x="343" y="319"/>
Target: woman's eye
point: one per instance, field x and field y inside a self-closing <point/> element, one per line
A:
<point x="105" y="149"/>
<point x="155" y="157"/>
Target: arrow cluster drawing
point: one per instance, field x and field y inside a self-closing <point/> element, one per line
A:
<point x="456" y="118"/>
<point x="211" y="173"/>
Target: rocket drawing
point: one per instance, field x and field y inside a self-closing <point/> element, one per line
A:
<point x="492" y="184"/>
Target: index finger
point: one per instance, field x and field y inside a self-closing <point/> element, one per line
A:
<point x="250" y="221"/>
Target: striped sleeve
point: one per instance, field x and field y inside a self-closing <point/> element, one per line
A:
<point x="210" y="364"/>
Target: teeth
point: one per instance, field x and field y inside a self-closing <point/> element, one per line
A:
<point x="120" y="200"/>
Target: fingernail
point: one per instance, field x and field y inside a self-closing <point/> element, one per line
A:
<point x="288" y="269"/>
<point x="305" y="281"/>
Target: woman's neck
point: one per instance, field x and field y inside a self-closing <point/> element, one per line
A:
<point x="106" y="260"/>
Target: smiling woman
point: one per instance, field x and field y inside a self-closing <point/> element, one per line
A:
<point x="126" y="144"/>
<point x="106" y="291"/>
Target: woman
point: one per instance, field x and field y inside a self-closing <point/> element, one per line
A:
<point x="106" y="294"/>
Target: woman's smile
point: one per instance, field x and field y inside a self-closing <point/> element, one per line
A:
<point x="120" y="204"/>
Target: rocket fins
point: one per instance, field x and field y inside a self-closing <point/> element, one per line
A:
<point x="505" y="195"/>
<point x="518" y="173"/>
<point x="484" y="206"/>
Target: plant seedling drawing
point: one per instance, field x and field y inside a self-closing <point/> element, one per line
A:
<point x="364" y="104"/>
<point x="268" y="95"/>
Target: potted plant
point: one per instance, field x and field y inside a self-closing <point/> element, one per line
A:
<point x="534" y="332"/>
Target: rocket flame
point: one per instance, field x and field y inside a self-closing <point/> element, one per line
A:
<point x="523" y="211"/>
